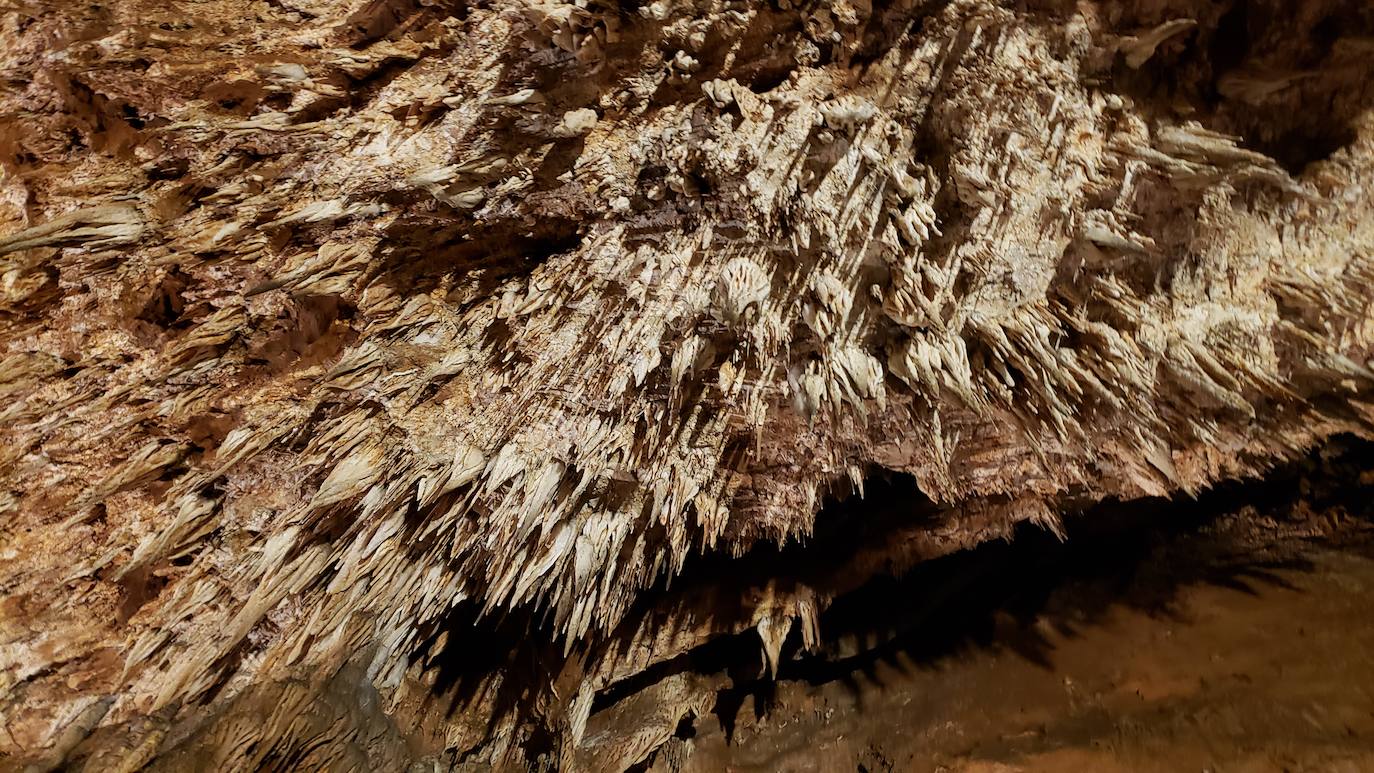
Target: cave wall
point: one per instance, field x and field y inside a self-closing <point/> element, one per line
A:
<point x="478" y="357"/>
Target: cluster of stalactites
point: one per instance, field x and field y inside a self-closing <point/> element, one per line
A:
<point x="560" y="438"/>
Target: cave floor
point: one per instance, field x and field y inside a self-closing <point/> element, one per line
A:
<point x="1246" y="644"/>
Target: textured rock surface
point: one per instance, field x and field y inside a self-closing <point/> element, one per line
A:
<point x="1225" y="633"/>
<point x="387" y="380"/>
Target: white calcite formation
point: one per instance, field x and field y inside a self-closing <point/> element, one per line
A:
<point x="388" y="379"/>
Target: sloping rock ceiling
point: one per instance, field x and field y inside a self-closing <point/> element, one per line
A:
<point x="396" y="378"/>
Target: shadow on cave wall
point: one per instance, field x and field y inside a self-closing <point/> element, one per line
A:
<point x="1290" y="79"/>
<point x="1139" y="555"/>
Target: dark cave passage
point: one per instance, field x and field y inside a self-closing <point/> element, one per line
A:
<point x="1019" y="598"/>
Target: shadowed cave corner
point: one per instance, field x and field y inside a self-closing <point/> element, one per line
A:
<point x="1023" y="597"/>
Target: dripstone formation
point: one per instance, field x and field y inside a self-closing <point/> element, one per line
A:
<point x="423" y="382"/>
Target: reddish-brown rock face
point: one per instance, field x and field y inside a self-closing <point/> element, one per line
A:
<point x="383" y="378"/>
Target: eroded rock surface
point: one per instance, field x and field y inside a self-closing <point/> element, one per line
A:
<point x="479" y="359"/>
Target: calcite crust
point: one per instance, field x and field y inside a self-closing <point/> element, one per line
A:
<point x="386" y="379"/>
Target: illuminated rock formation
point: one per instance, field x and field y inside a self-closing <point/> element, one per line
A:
<point x="388" y="379"/>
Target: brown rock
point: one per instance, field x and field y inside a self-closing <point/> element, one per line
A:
<point x="385" y="378"/>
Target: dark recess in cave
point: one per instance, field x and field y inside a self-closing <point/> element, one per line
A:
<point x="953" y="604"/>
<point x="1309" y="112"/>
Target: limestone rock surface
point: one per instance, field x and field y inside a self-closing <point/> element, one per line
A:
<point x="393" y="382"/>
